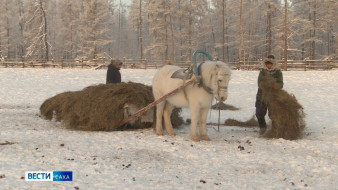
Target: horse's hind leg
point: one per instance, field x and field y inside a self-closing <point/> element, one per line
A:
<point x="159" y="115"/>
<point x="203" y="120"/>
<point x="167" y="122"/>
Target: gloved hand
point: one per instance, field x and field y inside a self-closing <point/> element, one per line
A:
<point x="276" y="86"/>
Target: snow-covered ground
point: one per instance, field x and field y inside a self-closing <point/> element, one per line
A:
<point x="236" y="158"/>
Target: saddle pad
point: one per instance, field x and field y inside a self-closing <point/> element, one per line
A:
<point x="182" y="74"/>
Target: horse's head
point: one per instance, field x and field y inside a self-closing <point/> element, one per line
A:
<point x="216" y="77"/>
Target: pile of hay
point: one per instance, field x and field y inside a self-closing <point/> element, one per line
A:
<point x="286" y="113"/>
<point x="100" y="107"/>
<point x="252" y="122"/>
<point x="223" y="106"/>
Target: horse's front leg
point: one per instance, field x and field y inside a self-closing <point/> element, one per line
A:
<point x="195" y="115"/>
<point x="167" y="122"/>
<point x="159" y="116"/>
<point x="203" y="127"/>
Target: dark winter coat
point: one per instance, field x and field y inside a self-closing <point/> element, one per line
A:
<point x="113" y="74"/>
<point x="275" y="72"/>
<point x="262" y="107"/>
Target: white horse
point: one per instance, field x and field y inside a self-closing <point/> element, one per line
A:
<point x="198" y="97"/>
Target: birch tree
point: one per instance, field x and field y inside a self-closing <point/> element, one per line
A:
<point x="36" y="28"/>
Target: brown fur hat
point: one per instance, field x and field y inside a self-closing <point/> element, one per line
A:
<point x="116" y="63"/>
<point x="271" y="59"/>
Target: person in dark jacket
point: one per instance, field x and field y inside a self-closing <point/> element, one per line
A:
<point x="113" y="72"/>
<point x="271" y="68"/>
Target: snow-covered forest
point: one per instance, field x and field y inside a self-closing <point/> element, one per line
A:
<point x="230" y="30"/>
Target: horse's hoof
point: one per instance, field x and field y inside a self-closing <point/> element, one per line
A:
<point x="205" y="138"/>
<point x="159" y="133"/>
<point x="172" y="134"/>
<point x="195" y="139"/>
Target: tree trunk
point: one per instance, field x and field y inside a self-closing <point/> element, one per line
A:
<point x="71" y="42"/>
<point x="21" y="47"/>
<point x="240" y="36"/>
<point x="180" y="29"/>
<point x="45" y="31"/>
<point x="1" y="56"/>
<point x="223" y="30"/>
<point x="269" y="33"/>
<point x="313" y="53"/>
<point x="119" y="29"/>
<point x="166" y="31"/>
<point x="140" y="31"/>
<point x="285" y="35"/>
<point x="172" y="38"/>
<point x="328" y="42"/>
<point x="190" y="31"/>
<point x="214" y="39"/>
<point x="7" y="31"/>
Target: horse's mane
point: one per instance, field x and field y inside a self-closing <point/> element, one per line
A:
<point x="208" y="69"/>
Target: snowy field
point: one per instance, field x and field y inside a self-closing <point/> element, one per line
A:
<point x="236" y="158"/>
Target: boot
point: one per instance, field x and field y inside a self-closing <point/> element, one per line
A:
<point x="262" y="130"/>
<point x="262" y="126"/>
<point x="261" y="123"/>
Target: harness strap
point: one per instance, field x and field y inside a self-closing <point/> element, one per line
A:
<point x="201" y="83"/>
<point x="206" y="88"/>
<point x="197" y="81"/>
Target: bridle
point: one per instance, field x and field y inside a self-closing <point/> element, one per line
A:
<point x="221" y="88"/>
<point x="207" y="88"/>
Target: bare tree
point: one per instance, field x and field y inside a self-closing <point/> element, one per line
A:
<point x="269" y="30"/>
<point x="21" y="50"/>
<point x="240" y="32"/>
<point x="171" y="30"/>
<point x="140" y="31"/>
<point x="223" y="29"/>
<point x="285" y="34"/>
<point x="36" y="31"/>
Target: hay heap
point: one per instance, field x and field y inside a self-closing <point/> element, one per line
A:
<point x="286" y="113"/>
<point x="223" y="106"/>
<point x="252" y="122"/>
<point x="100" y="107"/>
